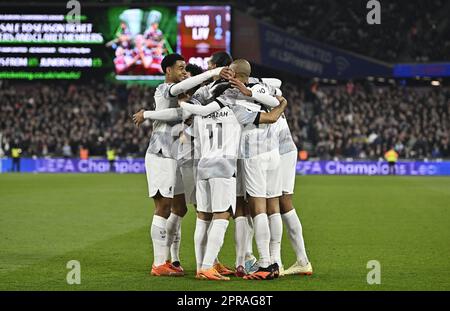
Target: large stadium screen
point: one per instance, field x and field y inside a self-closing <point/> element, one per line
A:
<point x="124" y="43"/>
<point x="202" y="31"/>
<point x="43" y="43"/>
<point x="142" y="38"/>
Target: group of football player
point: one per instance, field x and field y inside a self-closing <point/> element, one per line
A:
<point x="221" y="142"/>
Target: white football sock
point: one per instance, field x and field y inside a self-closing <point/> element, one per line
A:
<point x="215" y="241"/>
<point x="216" y="260"/>
<point x="240" y="239"/>
<point x="262" y="237"/>
<point x="172" y="225"/>
<point x="276" y="233"/>
<point x="250" y="232"/>
<point x="158" y="235"/>
<point x="200" y="239"/>
<point x="175" y="247"/>
<point x="294" y="230"/>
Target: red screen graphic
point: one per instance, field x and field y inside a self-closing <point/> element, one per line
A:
<point x="203" y="30"/>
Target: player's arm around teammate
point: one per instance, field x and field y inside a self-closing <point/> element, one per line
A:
<point x="255" y="170"/>
<point x="174" y="114"/>
<point x="161" y="164"/>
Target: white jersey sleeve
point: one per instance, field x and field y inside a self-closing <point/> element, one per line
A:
<point x="193" y="81"/>
<point x="262" y="94"/>
<point x="274" y="82"/>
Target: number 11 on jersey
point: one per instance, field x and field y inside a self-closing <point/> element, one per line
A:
<point x="210" y="129"/>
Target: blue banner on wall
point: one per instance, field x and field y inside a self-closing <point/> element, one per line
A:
<point x="74" y="166"/>
<point x="309" y="58"/>
<point x="137" y="166"/>
<point x="422" y="70"/>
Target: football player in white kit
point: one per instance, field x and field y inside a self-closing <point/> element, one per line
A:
<point x="215" y="240"/>
<point x="243" y="235"/>
<point x="186" y="169"/>
<point x="217" y="151"/>
<point x="259" y="150"/>
<point x="160" y="160"/>
<point x="243" y="221"/>
<point x="246" y="262"/>
<point x="283" y="204"/>
<point x="288" y="164"/>
<point x="203" y="221"/>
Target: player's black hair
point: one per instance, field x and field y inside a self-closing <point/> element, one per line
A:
<point x="219" y="87"/>
<point x="170" y="60"/>
<point x="194" y="69"/>
<point x="221" y="59"/>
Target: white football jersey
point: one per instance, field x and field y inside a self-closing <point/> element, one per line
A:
<point x="163" y="135"/>
<point x="286" y="143"/>
<point x="185" y="155"/>
<point x="257" y="138"/>
<point x="218" y="144"/>
<point x="217" y="139"/>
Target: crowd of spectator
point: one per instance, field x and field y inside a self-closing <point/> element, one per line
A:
<point x="410" y="31"/>
<point x="364" y="121"/>
<point x="59" y="120"/>
<point x="346" y="121"/>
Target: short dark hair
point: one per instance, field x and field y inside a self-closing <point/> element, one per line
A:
<point x="170" y="60"/>
<point x="194" y="69"/>
<point x="221" y="59"/>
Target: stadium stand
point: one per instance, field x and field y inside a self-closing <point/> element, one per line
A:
<point x="409" y="30"/>
<point x="43" y="119"/>
<point x="364" y="121"/>
<point x="358" y="120"/>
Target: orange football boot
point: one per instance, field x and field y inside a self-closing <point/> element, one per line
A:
<point x="211" y="274"/>
<point x="177" y="266"/>
<point x="261" y="274"/>
<point x="166" y="269"/>
<point x="222" y="269"/>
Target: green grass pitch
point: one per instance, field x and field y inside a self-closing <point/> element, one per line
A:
<point x="103" y="222"/>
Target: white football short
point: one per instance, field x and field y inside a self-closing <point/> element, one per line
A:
<point x="188" y="178"/>
<point x="162" y="176"/>
<point x="216" y="195"/>
<point x="262" y="175"/>
<point x="288" y="165"/>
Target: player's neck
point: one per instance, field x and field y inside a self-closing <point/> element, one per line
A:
<point x="169" y="80"/>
